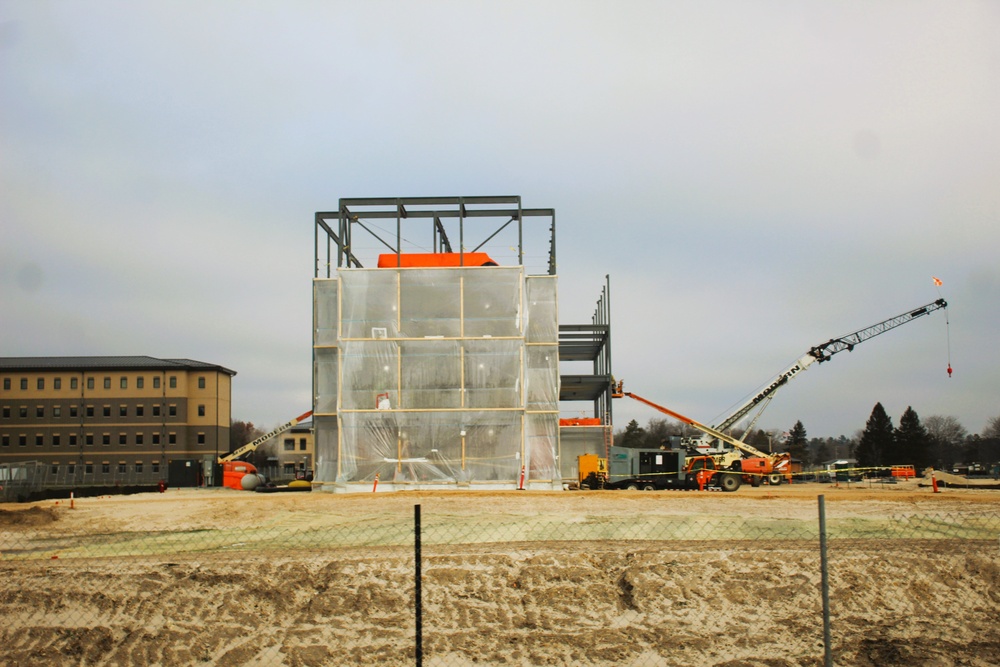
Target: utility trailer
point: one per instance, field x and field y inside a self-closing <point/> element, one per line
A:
<point x="654" y="470"/>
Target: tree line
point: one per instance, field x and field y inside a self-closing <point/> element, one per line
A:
<point x="939" y="442"/>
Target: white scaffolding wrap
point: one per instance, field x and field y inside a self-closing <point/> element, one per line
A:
<point x="436" y="376"/>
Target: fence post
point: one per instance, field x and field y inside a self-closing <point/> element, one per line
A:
<point x="418" y="602"/>
<point x="825" y="585"/>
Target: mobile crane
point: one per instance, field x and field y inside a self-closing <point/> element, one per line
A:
<point x="243" y="475"/>
<point x="752" y="464"/>
<point x="707" y="443"/>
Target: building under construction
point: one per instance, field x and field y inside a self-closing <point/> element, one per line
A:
<point x="437" y="348"/>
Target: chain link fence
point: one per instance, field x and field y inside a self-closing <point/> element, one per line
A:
<point x="510" y="589"/>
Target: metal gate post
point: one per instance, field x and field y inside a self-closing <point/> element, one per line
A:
<point x="418" y="603"/>
<point x="825" y="577"/>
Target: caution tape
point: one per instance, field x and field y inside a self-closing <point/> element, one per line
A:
<point x="855" y="472"/>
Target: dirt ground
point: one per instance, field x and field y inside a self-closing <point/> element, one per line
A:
<point x="615" y="601"/>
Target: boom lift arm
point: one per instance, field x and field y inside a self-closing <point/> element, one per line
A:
<point x="254" y="444"/>
<point x="617" y="392"/>
<point x="824" y="352"/>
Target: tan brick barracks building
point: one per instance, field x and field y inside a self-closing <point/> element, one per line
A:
<point x="111" y="420"/>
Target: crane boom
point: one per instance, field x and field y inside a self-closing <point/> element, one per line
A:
<point x="824" y="352"/>
<point x="257" y="442"/>
<point x="708" y="430"/>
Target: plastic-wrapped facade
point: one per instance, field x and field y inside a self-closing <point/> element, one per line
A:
<point x="436" y="376"/>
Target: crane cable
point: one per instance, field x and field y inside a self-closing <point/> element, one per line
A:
<point x="947" y="322"/>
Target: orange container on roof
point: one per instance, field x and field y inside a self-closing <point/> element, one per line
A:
<point x="434" y="259"/>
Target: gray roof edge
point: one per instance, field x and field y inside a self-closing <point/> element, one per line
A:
<point x="137" y="362"/>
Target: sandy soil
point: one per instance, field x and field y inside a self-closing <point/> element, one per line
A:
<point x="504" y="600"/>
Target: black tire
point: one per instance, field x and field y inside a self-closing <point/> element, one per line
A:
<point x="632" y="487"/>
<point x="649" y="487"/>
<point x="755" y="481"/>
<point x="774" y="480"/>
<point x="730" y="482"/>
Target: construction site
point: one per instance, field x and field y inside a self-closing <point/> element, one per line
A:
<point x="448" y="368"/>
<point x="439" y="361"/>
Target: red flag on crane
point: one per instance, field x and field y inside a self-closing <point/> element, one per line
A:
<point x="937" y="281"/>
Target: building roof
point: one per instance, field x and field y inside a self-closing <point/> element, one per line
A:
<point x="132" y="363"/>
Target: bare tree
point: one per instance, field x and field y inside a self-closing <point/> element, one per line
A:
<point x="992" y="429"/>
<point x="947" y="437"/>
<point x="240" y="433"/>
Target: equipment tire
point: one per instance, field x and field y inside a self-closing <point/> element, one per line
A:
<point x="774" y="480"/>
<point x="632" y="487"/>
<point x="755" y="481"/>
<point x="729" y="482"/>
<point x="649" y="487"/>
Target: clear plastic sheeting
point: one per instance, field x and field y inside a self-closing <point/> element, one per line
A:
<point x="431" y="377"/>
<point x="368" y="369"/>
<point x="540" y="303"/>
<point x="492" y="302"/>
<point x="541" y="365"/>
<point x="369" y="305"/>
<point x="541" y="445"/>
<point x="492" y="373"/>
<point x="325" y="312"/>
<point x="325" y="431"/>
<point x="430" y="304"/>
<point x="430" y="447"/>
<point x="325" y="379"/>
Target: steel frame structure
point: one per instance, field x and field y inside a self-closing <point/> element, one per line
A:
<point x="355" y="213"/>
<point x="590" y="342"/>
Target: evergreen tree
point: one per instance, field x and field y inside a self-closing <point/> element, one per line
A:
<point x="912" y="443"/>
<point x="876" y="439"/>
<point x="760" y="439"/>
<point x="823" y="450"/>
<point x="797" y="443"/>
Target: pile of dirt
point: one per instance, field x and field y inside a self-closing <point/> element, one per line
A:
<point x="33" y="516"/>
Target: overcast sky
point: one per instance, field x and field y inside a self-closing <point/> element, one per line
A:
<point x="754" y="177"/>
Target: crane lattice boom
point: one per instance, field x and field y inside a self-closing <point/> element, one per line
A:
<point x="824" y="352"/>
